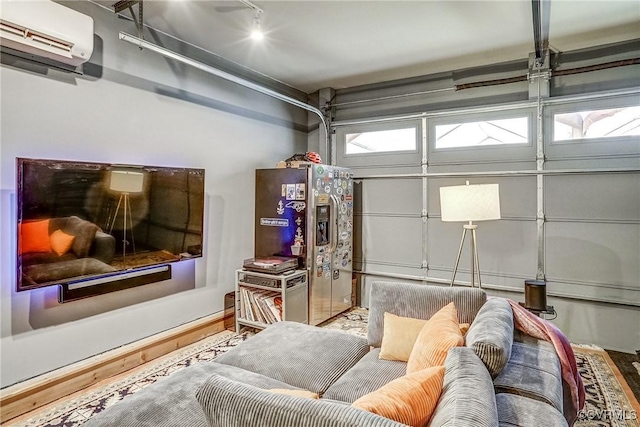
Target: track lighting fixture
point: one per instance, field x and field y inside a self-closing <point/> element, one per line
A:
<point x="256" y="29"/>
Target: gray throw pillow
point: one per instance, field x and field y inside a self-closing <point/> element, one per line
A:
<point x="491" y="334"/>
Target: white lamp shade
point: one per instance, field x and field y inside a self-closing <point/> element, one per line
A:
<point x="126" y="181"/>
<point x="470" y="202"/>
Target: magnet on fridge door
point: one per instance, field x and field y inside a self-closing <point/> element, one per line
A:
<point x="336" y="274"/>
<point x="344" y="185"/>
<point x="343" y="208"/>
<point x="345" y="263"/>
<point x="291" y="191"/>
<point x="319" y="170"/>
<point x="315" y="193"/>
<point x="301" y="191"/>
<point x="323" y="199"/>
<point x="339" y="190"/>
<point x="327" y="189"/>
<point x="331" y="174"/>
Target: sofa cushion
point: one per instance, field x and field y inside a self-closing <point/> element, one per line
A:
<point x="532" y="371"/>
<point x="171" y="401"/>
<point x="418" y="301"/>
<point x="228" y="403"/>
<point x="34" y="237"/>
<point x="409" y="399"/>
<point x="491" y="334"/>
<point x="53" y="271"/>
<point x="297" y="393"/>
<point x="437" y="337"/>
<point x="369" y="374"/>
<point x="84" y="232"/>
<point x="467" y="397"/>
<point x="520" y="411"/>
<point x="276" y="352"/>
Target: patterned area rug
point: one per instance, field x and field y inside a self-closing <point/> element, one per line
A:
<point x="610" y="403"/>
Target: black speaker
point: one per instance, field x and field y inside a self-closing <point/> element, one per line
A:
<point x="535" y="295"/>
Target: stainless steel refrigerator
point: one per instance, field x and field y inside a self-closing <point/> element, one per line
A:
<point x="307" y="212"/>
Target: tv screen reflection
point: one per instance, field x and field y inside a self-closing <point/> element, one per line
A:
<point x="79" y="220"/>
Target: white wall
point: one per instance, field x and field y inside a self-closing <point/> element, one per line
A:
<point x="141" y="109"/>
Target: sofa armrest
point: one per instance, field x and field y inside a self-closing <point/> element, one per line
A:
<point x="229" y="403"/>
<point x="103" y="247"/>
<point x="418" y="301"/>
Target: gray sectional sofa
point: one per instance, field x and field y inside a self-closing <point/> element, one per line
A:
<point x="499" y="378"/>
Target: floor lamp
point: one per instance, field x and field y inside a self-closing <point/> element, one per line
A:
<point x="469" y="203"/>
<point x="125" y="182"/>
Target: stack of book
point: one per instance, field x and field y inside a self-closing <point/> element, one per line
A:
<point x="259" y="305"/>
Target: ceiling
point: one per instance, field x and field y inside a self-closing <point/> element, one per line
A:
<point x="315" y="44"/>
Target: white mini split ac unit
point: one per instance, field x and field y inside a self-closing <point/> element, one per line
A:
<point x="46" y="29"/>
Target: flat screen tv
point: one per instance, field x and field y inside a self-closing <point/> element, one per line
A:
<point x="79" y="221"/>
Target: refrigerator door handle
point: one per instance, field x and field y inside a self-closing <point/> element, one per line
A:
<point x="334" y="235"/>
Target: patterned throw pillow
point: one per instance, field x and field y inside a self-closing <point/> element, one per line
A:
<point x="410" y="399"/>
<point x="438" y="335"/>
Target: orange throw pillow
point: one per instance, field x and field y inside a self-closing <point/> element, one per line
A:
<point x="408" y="400"/>
<point x="34" y="237"/>
<point x="437" y="337"/>
<point x="61" y="242"/>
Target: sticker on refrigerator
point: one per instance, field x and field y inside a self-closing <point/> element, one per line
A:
<point x="336" y="274"/>
<point x="320" y="170"/>
<point x="343" y="208"/>
<point x="315" y="193"/>
<point x="291" y="191"/>
<point x="301" y="193"/>
<point x="298" y="206"/>
<point x="274" y="222"/>
<point x="323" y="198"/>
<point x="344" y="235"/>
<point x="280" y="208"/>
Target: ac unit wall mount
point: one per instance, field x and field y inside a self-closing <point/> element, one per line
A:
<point x="46" y="29"/>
